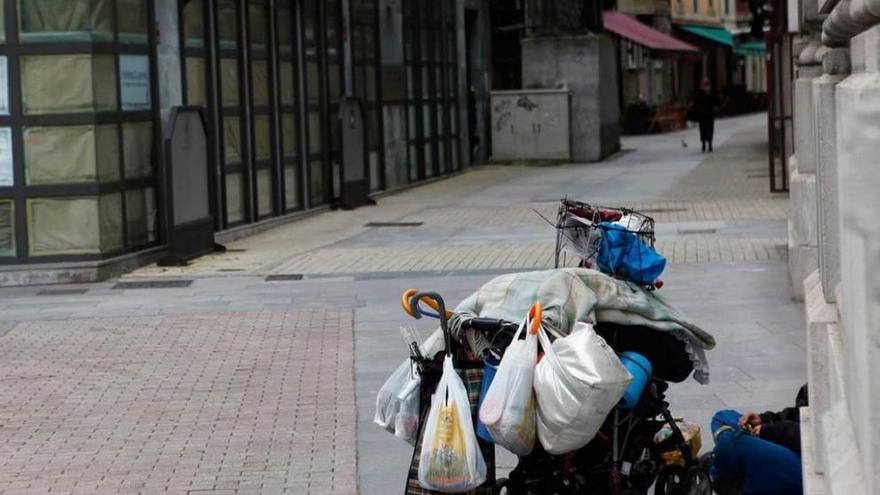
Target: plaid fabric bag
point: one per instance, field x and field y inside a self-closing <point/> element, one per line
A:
<point x="471" y="373"/>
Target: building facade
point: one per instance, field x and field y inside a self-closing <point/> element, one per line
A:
<point x="834" y="237"/>
<point x="89" y="85"/>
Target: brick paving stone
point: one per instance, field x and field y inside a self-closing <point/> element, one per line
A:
<point x="197" y="403"/>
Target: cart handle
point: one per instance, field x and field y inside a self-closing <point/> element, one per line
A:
<point x="405" y="301"/>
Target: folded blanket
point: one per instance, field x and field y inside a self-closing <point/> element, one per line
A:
<point x="569" y="295"/>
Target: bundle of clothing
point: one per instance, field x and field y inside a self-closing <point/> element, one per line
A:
<point x="570" y="295"/>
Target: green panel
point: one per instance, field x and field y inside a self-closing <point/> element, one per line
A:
<point x="63" y="226"/>
<point x="71" y="154"/>
<point x="76" y="83"/>
<point x="58" y="21"/>
<point x="132" y="21"/>
<point x="137" y="149"/>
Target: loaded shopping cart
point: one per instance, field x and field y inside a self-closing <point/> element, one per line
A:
<point x="639" y="444"/>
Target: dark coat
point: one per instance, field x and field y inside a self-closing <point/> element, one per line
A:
<point x="784" y="427"/>
<point x="704" y="106"/>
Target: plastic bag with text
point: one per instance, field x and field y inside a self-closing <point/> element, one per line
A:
<point x="450" y="460"/>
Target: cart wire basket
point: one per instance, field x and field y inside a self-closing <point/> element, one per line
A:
<point x="581" y="226"/>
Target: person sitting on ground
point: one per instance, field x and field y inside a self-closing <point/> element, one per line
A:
<point x="758" y="453"/>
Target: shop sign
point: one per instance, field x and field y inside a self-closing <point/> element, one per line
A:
<point x="134" y="80"/>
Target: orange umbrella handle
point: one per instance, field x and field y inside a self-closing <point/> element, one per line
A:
<point x="407" y="296"/>
<point x="535" y="313"/>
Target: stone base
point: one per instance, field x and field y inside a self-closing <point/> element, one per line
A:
<point x="802" y="261"/>
<point x="76" y="272"/>
<point x="814" y="484"/>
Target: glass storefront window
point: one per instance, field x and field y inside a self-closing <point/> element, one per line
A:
<point x="140" y="206"/>
<point x="234" y="198"/>
<point x="262" y="137"/>
<point x="260" y="82"/>
<point x="195" y="81"/>
<point x="227" y="19"/>
<point x="285" y="29"/>
<point x="74" y="83"/>
<point x="231" y="140"/>
<point x="229" y="81"/>
<point x="2" y="21"/>
<point x="7" y="228"/>
<point x="312" y="80"/>
<point x="288" y="134"/>
<point x="291" y="189"/>
<point x="132" y="21"/>
<point x="334" y="83"/>
<point x="316" y="182"/>
<point x="264" y="192"/>
<point x="71" y="154"/>
<point x="194" y="23"/>
<point x="288" y="95"/>
<point x="110" y="221"/>
<point x="80" y="225"/>
<point x="59" y="21"/>
<point x="137" y="149"/>
<point x="315" y="132"/>
<point x="257" y="22"/>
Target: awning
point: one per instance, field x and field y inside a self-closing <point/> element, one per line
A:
<point x="716" y="34"/>
<point x="642" y="34"/>
<point x="754" y="47"/>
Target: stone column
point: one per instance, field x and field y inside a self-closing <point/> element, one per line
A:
<point x="858" y="173"/>
<point x="803" y="237"/>
<point x="821" y="312"/>
<point x="168" y="57"/>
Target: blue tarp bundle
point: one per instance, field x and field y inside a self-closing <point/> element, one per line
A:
<point x="622" y="253"/>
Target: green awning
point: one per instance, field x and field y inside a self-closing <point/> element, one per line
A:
<point x="716" y="34"/>
<point x="754" y="47"/>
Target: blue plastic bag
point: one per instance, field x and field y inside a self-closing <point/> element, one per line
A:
<point x="622" y="253"/>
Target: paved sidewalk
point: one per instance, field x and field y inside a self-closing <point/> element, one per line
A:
<point x="233" y="383"/>
<point x="221" y="403"/>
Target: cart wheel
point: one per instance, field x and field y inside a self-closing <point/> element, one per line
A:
<point x="701" y="483"/>
<point x="501" y="486"/>
<point x="673" y="480"/>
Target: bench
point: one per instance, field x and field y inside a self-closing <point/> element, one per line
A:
<point x="668" y="117"/>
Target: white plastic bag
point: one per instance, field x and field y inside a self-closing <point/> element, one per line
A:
<point x="397" y="403"/>
<point x="450" y="460"/>
<point x="509" y="407"/>
<point x="577" y="383"/>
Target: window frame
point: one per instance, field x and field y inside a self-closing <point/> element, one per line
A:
<point x="20" y="192"/>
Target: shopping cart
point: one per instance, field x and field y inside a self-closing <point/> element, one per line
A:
<point x="625" y="457"/>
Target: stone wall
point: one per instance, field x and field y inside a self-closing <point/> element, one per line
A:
<point x="836" y="213"/>
<point x="584" y="64"/>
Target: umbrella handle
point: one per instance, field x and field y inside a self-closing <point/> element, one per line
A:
<point x="412" y="308"/>
<point x="536" y="311"/>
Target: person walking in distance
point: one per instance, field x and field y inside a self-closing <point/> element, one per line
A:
<point x="704" y="105"/>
